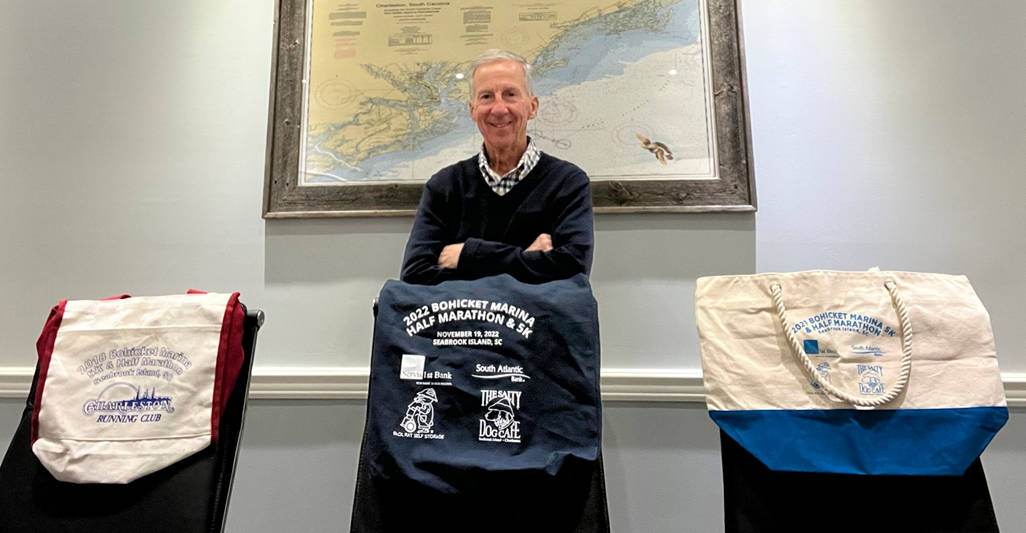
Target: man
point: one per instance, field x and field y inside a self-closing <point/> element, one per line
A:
<point x="511" y="208"/>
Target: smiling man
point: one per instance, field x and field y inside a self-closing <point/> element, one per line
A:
<point x="509" y="209"/>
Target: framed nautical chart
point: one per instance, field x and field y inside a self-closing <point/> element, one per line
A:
<point x="369" y="99"/>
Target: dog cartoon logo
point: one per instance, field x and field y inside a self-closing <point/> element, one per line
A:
<point x="500" y="413"/>
<point x="499" y="423"/>
<point x="871" y="379"/>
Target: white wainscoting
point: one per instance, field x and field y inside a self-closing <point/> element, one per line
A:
<point x="344" y="383"/>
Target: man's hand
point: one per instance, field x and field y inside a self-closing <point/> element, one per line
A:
<point x="542" y="244"/>
<point x="450" y="255"/>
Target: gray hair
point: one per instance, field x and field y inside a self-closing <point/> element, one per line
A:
<point x="495" y="54"/>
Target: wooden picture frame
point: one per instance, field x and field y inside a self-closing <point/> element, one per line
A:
<point x="729" y="186"/>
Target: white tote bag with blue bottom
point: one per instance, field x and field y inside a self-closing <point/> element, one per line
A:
<point x="883" y="373"/>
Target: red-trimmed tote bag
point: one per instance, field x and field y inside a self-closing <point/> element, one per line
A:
<point x="889" y="373"/>
<point x="127" y="386"/>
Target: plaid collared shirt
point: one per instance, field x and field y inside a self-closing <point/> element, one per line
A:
<point x="502" y="184"/>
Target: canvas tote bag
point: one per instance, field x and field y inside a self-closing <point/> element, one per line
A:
<point x="851" y="372"/>
<point x="127" y="386"/>
<point x="484" y="410"/>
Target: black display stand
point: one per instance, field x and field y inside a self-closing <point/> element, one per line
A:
<point x="757" y="499"/>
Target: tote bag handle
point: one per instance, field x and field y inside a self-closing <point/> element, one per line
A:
<point x="906" y="351"/>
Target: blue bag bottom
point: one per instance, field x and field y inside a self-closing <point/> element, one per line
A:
<point x="928" y="442"/>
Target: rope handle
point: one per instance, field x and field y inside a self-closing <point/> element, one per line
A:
<point x="906" y="351"/>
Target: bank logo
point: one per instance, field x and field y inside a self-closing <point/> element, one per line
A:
<point x="515" y="373"/>
<point x="500" y="422"/>
<point x="127" y="399"/>
<point x="860" y="349"/>
<point x="871" y="379"/>
<point x="420" y="414"/>
<point x="814" y="347"/>
<point x="412" y="366"/>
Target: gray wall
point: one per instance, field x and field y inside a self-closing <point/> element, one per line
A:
<point x="131" y="160"/>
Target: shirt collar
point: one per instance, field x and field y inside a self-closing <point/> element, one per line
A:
<point x="502" y="184"/>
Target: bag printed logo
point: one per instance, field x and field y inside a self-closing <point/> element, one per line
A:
<point x="870" y="379"/>
<point x="124" y="399"/>
<point x="823" y="370"/>
<point x="813" y="347"/>
<point x="515" y="373"/>
<point x="847" y="321"/>
<point x="499" y="423"/>
<point x="419" y="421"/>
<point x="412" y="366"/>
<point x="867" y="349"/>
<point x="127" y="405"/>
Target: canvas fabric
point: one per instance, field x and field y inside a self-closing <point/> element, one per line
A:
<point x="484" y="407"/>
<point x="127" y="386"/>
<point x="849" y="326"/>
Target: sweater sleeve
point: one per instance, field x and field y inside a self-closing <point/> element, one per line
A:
<point x="572" y="243"/>
<point x="429" y="235"/>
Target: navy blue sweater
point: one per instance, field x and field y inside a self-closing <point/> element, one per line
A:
<point x="458" y="206"/>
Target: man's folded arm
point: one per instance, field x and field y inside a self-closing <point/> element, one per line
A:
<point x="427" y="238"/>
<point x="572" y="241"/>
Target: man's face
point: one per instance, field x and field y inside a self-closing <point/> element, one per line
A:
<point x="501" y="105"/>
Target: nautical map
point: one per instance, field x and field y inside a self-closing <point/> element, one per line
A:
<point x="623" y="86"/>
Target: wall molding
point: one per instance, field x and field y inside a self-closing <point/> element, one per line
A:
<point x="15" y="381"/>
<point x="350" y="383"/>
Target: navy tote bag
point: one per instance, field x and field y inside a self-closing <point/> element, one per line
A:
<point x="483" y="408"/>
